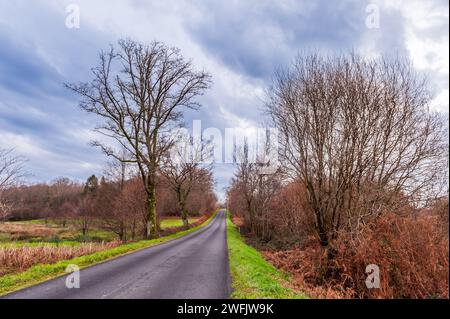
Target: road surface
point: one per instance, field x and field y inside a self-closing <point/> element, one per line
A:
<point x="190" y="267"/>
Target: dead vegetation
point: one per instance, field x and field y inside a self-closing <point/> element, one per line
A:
<point x="18" y="259"/>
<point x="412" y="255"/>
<point x="19" y="231"/>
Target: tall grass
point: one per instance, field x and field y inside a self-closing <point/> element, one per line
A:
<point x="16" y="259"/>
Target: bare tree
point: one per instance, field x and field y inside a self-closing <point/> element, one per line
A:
<point x="139" y="93"/>
<point x="246" y="183"/>
<point x="358" y="135"/>
<point x="187" y="166"/>
<point x="130" y="210"/>
<point x="256" y="186"/>
<point x="11" y="170"/>
<point x="113" y="203"/>
<point x="86" y="209"/>
<point x="63" y="195"/>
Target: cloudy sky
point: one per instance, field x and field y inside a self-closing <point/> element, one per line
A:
<point x="240" y="43"/>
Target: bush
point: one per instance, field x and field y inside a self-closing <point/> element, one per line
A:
<point x="290" y="222"/>
<point x="412" y="254"/>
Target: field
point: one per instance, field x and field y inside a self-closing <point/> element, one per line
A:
<point x="49" y="232"/>
<point x="40" y="231"/>
<point x="170" y="222"/>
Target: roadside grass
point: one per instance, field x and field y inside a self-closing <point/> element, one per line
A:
<point x="252" y="276"/>
<point x="43" y="272"/>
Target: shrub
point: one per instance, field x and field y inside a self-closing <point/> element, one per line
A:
<point x="412" y="254"/>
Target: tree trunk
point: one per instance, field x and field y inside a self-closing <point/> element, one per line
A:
<point x="133" y="230"/>
<point x="84" y="227"/>
<point x="152" y="225"/>
<point x="182" y="205"/>
<point x="184" y="215"/>
<point x="323" y="237"/>
<point x="122" y="231"/>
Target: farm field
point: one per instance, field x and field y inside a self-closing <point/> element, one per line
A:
<point x="51" y="232"/>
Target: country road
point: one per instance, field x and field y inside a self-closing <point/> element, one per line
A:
<point x="191" y="267"/>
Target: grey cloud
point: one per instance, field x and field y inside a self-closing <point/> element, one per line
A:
<point x="255" y="37"/>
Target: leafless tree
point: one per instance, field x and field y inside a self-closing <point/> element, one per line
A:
<point x="63" y="195"/>
<point x="113" y="204"/>
<point x="86" y="210"/>
<point x="130" y="210"/>
<point x="257" y="187"/>
<point x="139" y="92"/>
<point x="245" y="182"/>
<point x="358" y="135"/>
<point x="184" y="168"/>
<point x="11" y="171"/>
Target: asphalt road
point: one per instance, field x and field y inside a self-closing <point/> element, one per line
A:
<point x="191" y="267"/>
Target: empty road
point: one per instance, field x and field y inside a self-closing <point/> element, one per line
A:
<point x="190" y="267"/>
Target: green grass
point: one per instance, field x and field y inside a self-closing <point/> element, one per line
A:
<point x="252" y="276"/>
<point x="176" y="222"/>
<point x="96" y="235"/>
<point x="42" y="272"/>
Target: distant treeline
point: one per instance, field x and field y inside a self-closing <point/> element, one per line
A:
<point x="120" y="206"/>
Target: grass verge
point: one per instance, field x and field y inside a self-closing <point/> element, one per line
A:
<point x="252" y="276"/>
<point x="43" y="272"/>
